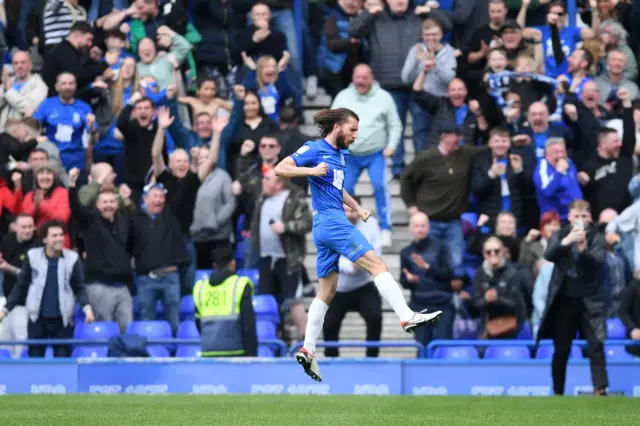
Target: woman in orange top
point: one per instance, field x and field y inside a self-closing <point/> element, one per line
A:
<point x="49" y="200"/>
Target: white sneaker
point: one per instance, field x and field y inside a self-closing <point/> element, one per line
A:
<point x="419" y="319"/>
<point x="311" y="87"/>
<point x="385" y="236"/>
<point x="309" y="363"/>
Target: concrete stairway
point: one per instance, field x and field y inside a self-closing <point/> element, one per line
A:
<point x="353" y="327"/>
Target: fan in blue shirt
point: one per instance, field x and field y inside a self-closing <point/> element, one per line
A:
<point x="65" y="120"/>
<point x="323" y="163"/>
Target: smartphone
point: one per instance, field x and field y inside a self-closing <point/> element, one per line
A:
<point x="579" y="225"/>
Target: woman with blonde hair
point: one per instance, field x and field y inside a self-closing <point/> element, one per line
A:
<point x="113" y="99"/>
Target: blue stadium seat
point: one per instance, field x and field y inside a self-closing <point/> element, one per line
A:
<point x="96" y="330"/>
<point x="202" y="274"/>
<point x="90" y="352"/>
<point x="616" y="329"/>
<point x="471" y="271"/>
<point x="546" y="352"/>
<point x="159" y="311"/>
<point x="252" y="274"/>
<point x="265" y="329"/>
<point x="4" y="353"/>
<point x="187" y="308"/>
<point x="79" y="317"/>
<point x="265" y="352"/>
<point x="465" y="329"/>
<point x="151" y="329"/>
<point x="48" y="353"/>
<point x="156" y="351"/>
<point x="188" y="330"/>
<point x="507" y="352"/>
<point x="470" y="217"/>
<point x="617" y="352"/>
<point x="525" y="332"/>
<point x="456" y="352"/>
<point x="188" y="351"/>
<point x="266" y="308"/>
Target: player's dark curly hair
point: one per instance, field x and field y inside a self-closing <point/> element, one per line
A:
<point x="327" y="118"/>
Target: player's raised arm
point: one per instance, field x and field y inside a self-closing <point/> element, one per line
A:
<point x="351" y="202"/>
<point x="288" y="169"/>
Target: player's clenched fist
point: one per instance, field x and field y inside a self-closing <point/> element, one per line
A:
<point x="321" y="169"/>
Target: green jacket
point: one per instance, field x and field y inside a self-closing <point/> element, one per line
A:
<point x="138" y="32"/>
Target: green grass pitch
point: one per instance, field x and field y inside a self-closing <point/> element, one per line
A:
<point x="188" y="410"/>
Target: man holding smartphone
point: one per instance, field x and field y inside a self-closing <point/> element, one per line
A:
<point x="576" y="296"/>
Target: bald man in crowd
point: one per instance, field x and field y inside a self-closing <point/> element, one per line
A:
<point x="380" y="130"/>
<point x="23" y="93"/>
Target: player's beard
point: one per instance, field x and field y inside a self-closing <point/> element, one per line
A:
<point x="341" y="142"/>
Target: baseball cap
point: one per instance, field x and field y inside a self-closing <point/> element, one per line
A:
<point x="510" y="24"/>
<point x="449" y="127"/>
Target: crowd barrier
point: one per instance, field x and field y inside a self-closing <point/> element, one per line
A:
<point x="525" y="377"/>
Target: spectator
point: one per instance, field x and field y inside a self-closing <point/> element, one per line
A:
<point x="483" y="39"/>
<point x="253" y="126"/>
<point x="615" y="37"/>
<point x="48" y="200"/>
<point x="427" y="270"/>
<point x="219" y="23"/>
<point x="381" y="128"/>
<point x="556" y="180"/>
<point x="630" y="314"/>
<point x="356" y="291"/>
<point x="58" y="18"/>
<point x="497" y="293"/>
<point x="616" y="271"/>
<point x="535" y="243"/>
<point x="584" y="118"/>
<point x="112" y="100"/>
<point x="580" y="63"/>
<point x="279" y="225"/>
<point x="270" y="81"/>
<point x="13" y="250"/>
<point x="43" y="285"/>
<point x="339" y="54"/>
<point x="138" y="127"/>
<point x="262" y="38"/>
<point x="576" y="296"/>
<point x="604" y="176"/>
<point x="517" y="42"/>
<point x="437" y="183"/>
<point x="451" y="108"/>
<point x="538" y="130"/>
<point x="556" y="34"/>
<point x="391" y="31"/>
<point x="611" y="81"/>
<point x="227" y="328"/>
<point x="467" y="17"/>
<point x="30" y="129"/>
<point x="214" y="208"/>
<point x="161" y="67"/>
<point x="289" y="135"/>
<point x="66" y="119"/>
<point x="505" y="227"/>
<point x="36" y="157"/>
<point x="158" y="250"/>
<point x="206" y="100"/>
<point x="436" y="58"/>
<point x="107" y="238"/>
<point x="102" y="178"/>
<point x="499" y="178"/>
<point x="21" y="96"/>
<point x="71" y="57"/>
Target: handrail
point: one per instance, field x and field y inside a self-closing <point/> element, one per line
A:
<point x="479" y="342"/>
<point x="364" y="344"/>
<point x="277" y="343"/>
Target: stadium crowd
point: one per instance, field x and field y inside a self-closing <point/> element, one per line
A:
<point x="142" y="136"/>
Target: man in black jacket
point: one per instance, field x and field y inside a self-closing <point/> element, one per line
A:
<point x="107" y="239"/>
<point x="576" y="299"/>
<point x="72" y="56"/>
<point x="158" y="250"/>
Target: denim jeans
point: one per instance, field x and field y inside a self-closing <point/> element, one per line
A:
<point x="451" y="234"/>
<point x="405" y="103"/>
<point x="165" y="288"/>
<point x="25" y="8"/>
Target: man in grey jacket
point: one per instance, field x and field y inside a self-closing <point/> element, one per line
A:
<point x="613" y="79"/>
<point x="392" y="31"/>
<point x="50" y="282"/>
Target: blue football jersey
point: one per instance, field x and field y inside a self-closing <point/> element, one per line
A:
<point x="326" y="191"/>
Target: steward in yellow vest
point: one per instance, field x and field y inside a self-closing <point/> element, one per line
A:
<point x="224" y="310"/>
